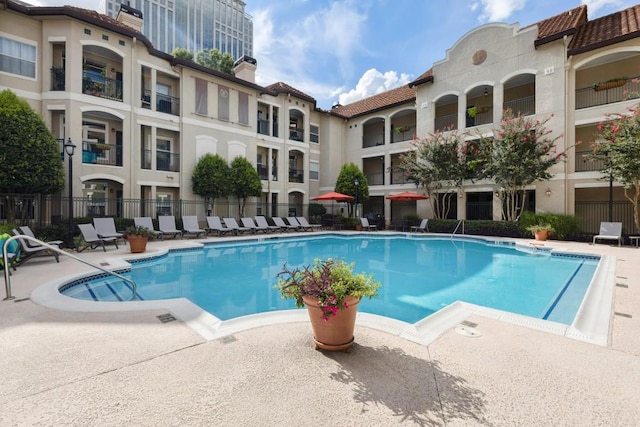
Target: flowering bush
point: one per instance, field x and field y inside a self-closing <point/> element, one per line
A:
<point x="330" y="281"/>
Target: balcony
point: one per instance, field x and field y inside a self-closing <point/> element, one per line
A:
<point x="101" y="154"/>
<point x="403" y="133"/>
<point x="376" y="178"/>
<point x="484" y="116"/>
<point x="57" y="78"/>
<point x="168" y="104"/>
<point x="372" y="139"/>
<point x="584" y="162"/>
<point x="296" y="134"/>
<point x="608" y="92"/>
<point x="263" y="127"/>
<point x="524" y="106"/>
<point x="101" y="86"/>
<point x="399" y="177"/>
<point x="448" y="122"/>
<point x="167" y="162"/>
<point x="263" y="172"/>
<point x="296" y="175"/>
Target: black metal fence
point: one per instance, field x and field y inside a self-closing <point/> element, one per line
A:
<point x="591" y="214"/>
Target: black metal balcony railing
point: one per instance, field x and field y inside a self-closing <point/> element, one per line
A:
<point x="375" y="178"/>
<point x="448" y="122"/>
<point x="481" y="118"/>
<point x="263" y="127"/>
<point x="146" y="159"/>
<point x="592" y="96"/>
<point x="403" y="133"/>
<point x="296" y="134"/>
<point x="275" y="129"/>
<point x="263" y="172"/>
<point x="371" y="139"/>
<point x="168" y="162"/>
<point x="399" y="177"/>
<point x="584" y="162"/>
<point x="524" y="106"/>
<point x="274" y="173"/>
<point x="101" y="154"/>
<point x="102" y="87"/>
<point x="146" y="98"/>
<point x="168" y="104"/>
<point x="57" y="78"/>
<point x="296" y="175"/>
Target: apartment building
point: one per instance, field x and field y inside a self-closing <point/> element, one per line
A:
<point x="144" y="118"/>
<point x="193" y="24"/>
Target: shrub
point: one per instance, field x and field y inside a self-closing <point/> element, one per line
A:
<point x="566" y="227"/>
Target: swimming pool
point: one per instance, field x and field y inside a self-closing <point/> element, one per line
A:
<point x="420" y="275"/>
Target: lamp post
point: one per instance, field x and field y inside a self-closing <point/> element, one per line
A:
<point x="356" y="182"/>
<point x="69" y="148"/>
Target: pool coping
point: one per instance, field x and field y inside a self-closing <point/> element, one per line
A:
<point x="592" y="323"/>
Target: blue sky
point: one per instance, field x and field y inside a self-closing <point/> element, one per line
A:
<point x="345" y="50"/>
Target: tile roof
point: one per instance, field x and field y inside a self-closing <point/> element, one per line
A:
<point x="390" y="98"/>
<point x="557" y="26"/>
<point x="283" y="88"/>
<point x="425" y="77"/>
<point x="607" y="30"/>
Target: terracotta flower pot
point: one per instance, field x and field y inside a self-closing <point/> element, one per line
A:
<point x="137" y="244"/>
<point x="335" y="334"/>
<point x="541" y="235"/>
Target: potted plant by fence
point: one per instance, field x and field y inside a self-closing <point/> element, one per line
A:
<point x="138" y="238"/>
<point x="541" y="231"/>
<point x="331" y="292"/>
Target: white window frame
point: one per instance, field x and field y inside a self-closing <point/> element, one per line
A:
<point x="35" y="60"/>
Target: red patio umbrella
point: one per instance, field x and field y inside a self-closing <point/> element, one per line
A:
<point x="407" y="196"/>
<point x="332" y="195"/>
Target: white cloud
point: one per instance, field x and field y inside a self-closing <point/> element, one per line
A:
<point x="594" y="5"/>
<point x="498" y="10"/>
<point x="373" y="82"/>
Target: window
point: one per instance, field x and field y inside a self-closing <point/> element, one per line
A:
<point x="201" y="97"/>
<point x="314" y="170"/>
<point x="163" y="98"/>
<point x="163" y="204"/>
<point x="243" y="108"/>
<point x="17" y="58"/>
<point x="223" y="102"/>
<point x="163" y="155"/>
<point x="314" y="137"/>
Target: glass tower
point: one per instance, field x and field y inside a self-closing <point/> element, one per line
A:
<point x="193" y="24"/>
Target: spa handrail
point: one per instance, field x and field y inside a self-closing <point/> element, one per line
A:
<point x="461" y="222"/>
<point x="7" y="275"/>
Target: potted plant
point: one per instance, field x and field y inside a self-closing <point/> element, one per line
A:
<point x="610" y="84"/>
<point x="541" y="231"/>
<point x="472" y="111"/>
<point x="138" y="238"/>
<point x="331" y="292"/>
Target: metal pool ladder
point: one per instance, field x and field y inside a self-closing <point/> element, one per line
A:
<point x="7" y="274"/>
<point x="460" y="223"/>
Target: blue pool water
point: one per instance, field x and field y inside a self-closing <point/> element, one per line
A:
<point x="419" y="276"/>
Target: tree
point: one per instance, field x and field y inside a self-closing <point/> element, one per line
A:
<point x="182" y="52"/>
<point x="617" y="145"/>
<point x="245" y="182"/>
<point x="29" y="154"/>
<point x="213" y="58"/>
<point x="346" y="184"/>
<point x="210" y="178"/>
<point x="519" y="153"/>
<point x="438" y="165"/>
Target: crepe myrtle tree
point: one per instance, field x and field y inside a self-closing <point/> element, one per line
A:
<point x="520" y="152"/>
<point x="617" y="145"/>
<point x="245" y="182"/>
<point x="29" y="153"/>
<point x="437" y="163"/>
<point x="210" y="179"/>
<point x="346" y="184"/>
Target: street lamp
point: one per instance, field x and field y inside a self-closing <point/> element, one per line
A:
<point x="356" y="182"/>
<point x="69" y="148"/>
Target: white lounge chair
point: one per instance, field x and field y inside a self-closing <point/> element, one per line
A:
<point x="262" y="222"/>
<point x="90" y="236"/>
<point x="233" y="224"/>
<point x="293" y="221"/>
<point x="279" y="222"/>
<point x="366" y="226"/>
<point x="248" y="222"/>
<point x="26" y="230"/>
<point x="167" y="225"/>
<point x="422" y="228"/>
<point x="214" y="224"/>
<point x="304" y="223"/>
<point x="190" y="226"/>
<point x="609" y="231"/>
<point x="146" y="222"/>
<point x="28" y="251"/>
<point x="106" y="227"/>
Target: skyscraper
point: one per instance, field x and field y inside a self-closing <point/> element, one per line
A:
<point x="193" y="24"/>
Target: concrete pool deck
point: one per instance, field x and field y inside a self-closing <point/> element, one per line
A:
<point x="115" y="368"/>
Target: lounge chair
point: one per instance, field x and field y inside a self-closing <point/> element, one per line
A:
<point x="262" y="222"/>
<point x="29" y="251"/>
<point x="366" y="226"/>
<point x="233" y="224"/>
<point x="190" y="226"/>
<point x="167" y="226"/>
<point x="279" y="222"/>
<point x="248" y="222"/>
<point x="293" y="221"/>
<point x="214" y="224"/>
<point x="422" y="228"/>
<point x="106" y="227"/>
<point x="26" y="230"/>
<point x="609" y="231"/>
<point x="146" y="222"/>
<point x="304" y="223"/>
<point x="91" y="238"/>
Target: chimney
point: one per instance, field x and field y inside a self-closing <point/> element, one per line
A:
<point x="130" y="17"/>
<point x="245" y="68"/>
